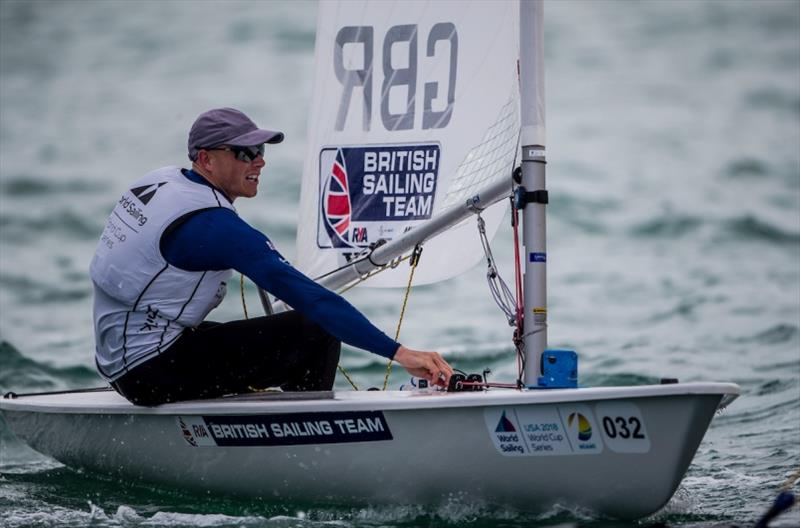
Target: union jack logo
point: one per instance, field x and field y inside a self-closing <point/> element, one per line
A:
<point x="336" y="208"/>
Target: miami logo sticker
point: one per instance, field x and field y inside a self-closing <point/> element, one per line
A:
<point x="581" y="429"/>
<point x="584" y="427"/>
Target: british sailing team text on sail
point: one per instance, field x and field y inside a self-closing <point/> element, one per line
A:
<point x="406" y="179"/>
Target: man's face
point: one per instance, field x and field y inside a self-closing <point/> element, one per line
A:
<point x="234" y="177"/>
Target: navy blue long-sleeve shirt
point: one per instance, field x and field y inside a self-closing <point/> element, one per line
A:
<point x="216" y="239"/>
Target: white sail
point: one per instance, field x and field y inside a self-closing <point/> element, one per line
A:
<point x="415" y="108"/>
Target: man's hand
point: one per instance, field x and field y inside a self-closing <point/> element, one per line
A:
<point x="428" y="365"/>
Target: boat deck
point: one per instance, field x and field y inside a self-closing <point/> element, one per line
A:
<point x="109" y="402"/>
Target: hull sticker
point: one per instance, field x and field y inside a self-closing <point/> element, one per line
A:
<point x="283" y="429"/>
<point x="623" y="427"/>
<point x="582" y="429"/>
<point x="564" y="430"/>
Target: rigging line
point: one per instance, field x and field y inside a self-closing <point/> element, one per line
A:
<point x="353" y="285"/>
<point x="365" y="255"/>
<point x="347" y="265"/>
<point x="347" y="377"/>
<point x="489" y="384"/>
<point x="372" y="273"/>
<point x="501" y="293"/>
<point x="241" y="290"/>
<point x="415" y="255"/>
<point x="10" y="395"/>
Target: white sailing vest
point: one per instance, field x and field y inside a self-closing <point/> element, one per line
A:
<point x="142" y="303"/>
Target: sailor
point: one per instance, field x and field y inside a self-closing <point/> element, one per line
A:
<point x="161" y="265"/>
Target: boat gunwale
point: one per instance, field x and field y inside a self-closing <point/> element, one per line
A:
<point x="86" y="403"/>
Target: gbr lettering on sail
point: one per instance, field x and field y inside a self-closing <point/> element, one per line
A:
<point x="374" y="187"/>
<point x="394" y="77"/>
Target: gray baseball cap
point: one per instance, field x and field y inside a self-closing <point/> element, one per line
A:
<point x="227" y="126"/>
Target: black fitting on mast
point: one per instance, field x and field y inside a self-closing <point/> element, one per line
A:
<point x="523" y="197"/>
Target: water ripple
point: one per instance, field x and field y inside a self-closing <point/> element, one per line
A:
<point x="669" y="226"/>
<point x="20" y="228"/>
<point x="22" y="374"/>
<point x="751" y="228"/>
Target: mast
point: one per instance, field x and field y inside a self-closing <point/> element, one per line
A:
<point x="534" y="193"/>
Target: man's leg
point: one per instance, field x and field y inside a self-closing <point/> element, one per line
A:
<point x="215" y="359"/>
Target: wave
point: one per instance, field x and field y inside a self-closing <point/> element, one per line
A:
<point x="742" y="228"/>
<point x="620" y="379"/>
<point x="223" y="511"/>
<point x="779" y="333"/>
<point x="31" y="186"/>
<point x="581" y="212"/>
<point x="20" y="373"/>
<point x="73" y="225"/>
<point x="749" y="227"/>
<point x="667" y="226"/>
<point x="29" y="291"/>
<point x="772" y="98"/>
<point x="747" y="168"/>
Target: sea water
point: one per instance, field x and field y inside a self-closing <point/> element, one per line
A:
<point x="673" y="150"/>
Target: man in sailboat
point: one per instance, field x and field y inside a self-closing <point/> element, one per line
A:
<point x="160" y="267"/>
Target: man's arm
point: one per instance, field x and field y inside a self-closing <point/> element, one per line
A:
<point x="218" y="239"/>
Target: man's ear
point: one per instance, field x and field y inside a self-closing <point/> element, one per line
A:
<point x="204" y="161"/>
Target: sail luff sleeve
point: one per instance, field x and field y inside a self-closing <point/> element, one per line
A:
<point x="532" y="103"/>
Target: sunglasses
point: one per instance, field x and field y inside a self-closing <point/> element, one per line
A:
<point x="246" y="154"/>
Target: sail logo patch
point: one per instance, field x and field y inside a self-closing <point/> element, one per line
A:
<point x="284" y="429"/>
<point x="369" y="193"/>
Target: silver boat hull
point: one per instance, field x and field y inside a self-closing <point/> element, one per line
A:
<point x="619" y="451"/>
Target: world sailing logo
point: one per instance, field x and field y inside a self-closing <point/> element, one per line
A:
<point x="145" y="193"/>
<point x="374" y="192"/>
<point x="505" y="432"/>
<point x="505" y="425"/>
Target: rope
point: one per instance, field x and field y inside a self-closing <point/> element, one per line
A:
<point x="358" y="281"/>
<point x="414" y="256"/>
<point x="372" y="273"/>
<point x="510" y="303"/>
<point x="414" y="261"/>
<point x="347" y="376"/>
<point x="501" y="293"/>
<point x="519" y="333"/>
<point x="241" y="289"/>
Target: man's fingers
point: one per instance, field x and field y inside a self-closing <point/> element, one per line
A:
<point x="428" y="365"/>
